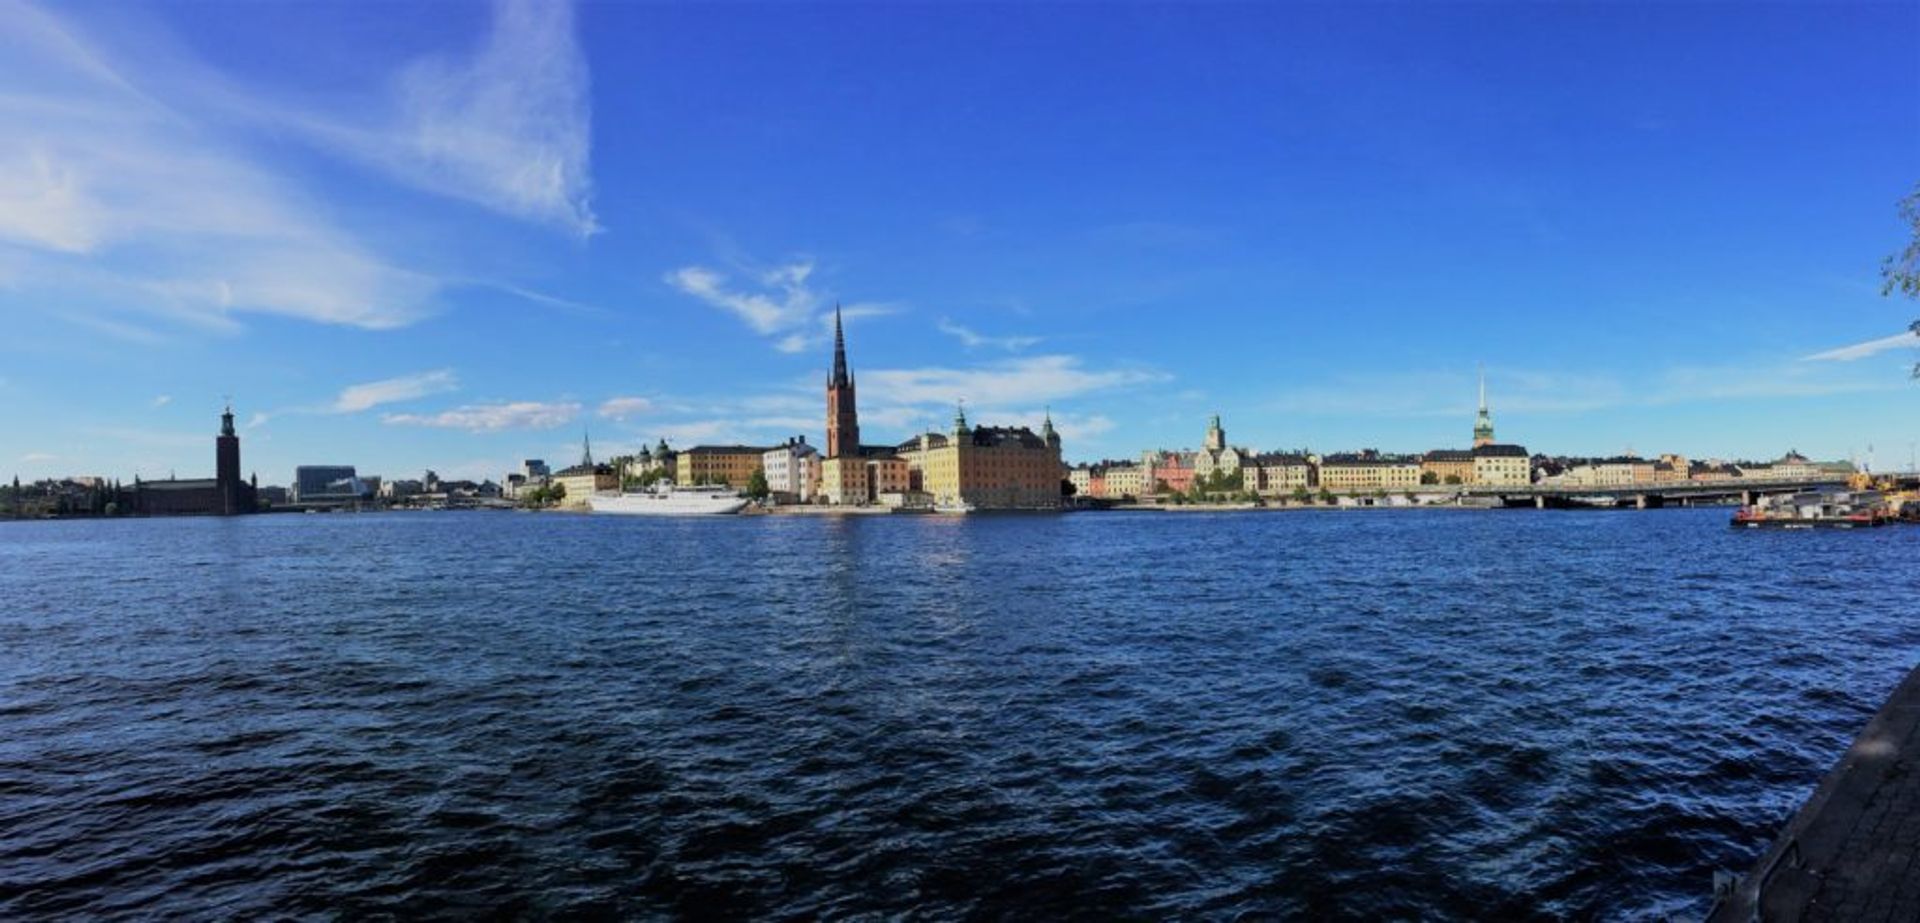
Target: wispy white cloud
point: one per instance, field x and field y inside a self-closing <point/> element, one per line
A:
<point x="1008" y="382"/>
<point x="620" y="408"/>
<point x="119" y="198"/>
<point x="356" y="398"/>
<point x="777" y="302"/>
<point x="487" y="418"/>
<point x="162" y="400"/>
<point x="1905" y="339"/>
<point x="783" y="302"/>
<point x="974" y="340"/>
<point x="32" y="457"/>
<point x="565" y="305"/>
<point x="507" y="127"/>
<point x="134" y="196"/>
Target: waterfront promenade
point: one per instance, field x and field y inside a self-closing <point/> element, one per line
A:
<point x="1852" y="852"/>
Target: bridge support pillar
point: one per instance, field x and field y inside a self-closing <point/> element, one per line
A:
<point x="1746" y="498"/>
<point x="1640" y="502"/>
<point x="1539" y="502"/>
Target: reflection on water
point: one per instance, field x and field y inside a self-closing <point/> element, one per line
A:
<point x="1433" y="714"/>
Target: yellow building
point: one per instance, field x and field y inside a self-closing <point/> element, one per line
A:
<point x="1125" y="481"/>
<point x="987" y="467"/>
<point x="732" y="465"/>
<point x="1275" y="474"/>
<point x="1447" y="466"/>
<point x="1368" y="471"/>
<point x="1497" y="465"/>
<point x="843" y="480"/>
<point x="583" y="481"/>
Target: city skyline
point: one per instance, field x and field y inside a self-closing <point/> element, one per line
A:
<point x="1319" y="232"/>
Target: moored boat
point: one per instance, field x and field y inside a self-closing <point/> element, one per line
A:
<point x="668" y="500"/>
<point x="1831" y="509"/>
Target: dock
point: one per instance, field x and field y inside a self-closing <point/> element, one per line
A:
<point x="1852" y="852"/>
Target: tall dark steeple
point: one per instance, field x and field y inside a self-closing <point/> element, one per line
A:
<point x="840" y="378"/>
<point x="843" y="419"/>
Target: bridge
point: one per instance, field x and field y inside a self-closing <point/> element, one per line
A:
<point x="1663" y="493"/>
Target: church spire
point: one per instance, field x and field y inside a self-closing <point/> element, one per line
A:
<point x="586" y="450"/>
<point x="839" y="379"/>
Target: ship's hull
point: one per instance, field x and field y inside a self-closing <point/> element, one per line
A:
<point x="666" y="504"/>
<point x="1805" y="522"/>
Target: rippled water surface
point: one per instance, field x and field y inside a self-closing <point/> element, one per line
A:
<point x="1318" y="714"/>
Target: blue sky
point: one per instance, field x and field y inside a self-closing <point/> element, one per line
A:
<point x="457" y="235"/>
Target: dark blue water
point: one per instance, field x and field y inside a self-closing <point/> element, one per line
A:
<point x="1313" y="715"/>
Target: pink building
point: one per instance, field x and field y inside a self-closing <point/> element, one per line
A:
<point x="1172" y="469"/>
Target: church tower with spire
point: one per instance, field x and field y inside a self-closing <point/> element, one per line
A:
<point x="1483" y="424"/>
<point x="843" y="418"/>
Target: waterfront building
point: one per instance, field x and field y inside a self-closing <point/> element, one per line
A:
<point x="1215" y="456"/>
<point x="1368" y="471"/>
<point x="535" y="469"/>
<point x="1620" y="471"/>
<point x="792" y="471"/>
<point x="1447" y="466"/>
<point x="1276" y="474"/>
<point x="1483" y="423"/>
<point x="1497" y="465"/>
<point x="1168" y="472"/>
<point x="889" y="478"/>
<point x="225" y="494"/>
<point x="327" y="484"/>
<point x="582" y="480"/>
<point x="1712" y="471"/>
<point x="1123" y="481"/>
<point x="1670" y="468"/>
<point x="402" y="488"/>
<point x="1081" y="476"/>
<point x="1795" y="465"/>
<point x="660" y="458"/>
<point x="986" y="467"/>
<point x="732" y="465"/>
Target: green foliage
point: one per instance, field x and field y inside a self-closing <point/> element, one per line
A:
<point x="1428" y="477"/>
<point x="1901" y="271"/>
<point x="1326" y="496"/>
<point x="1302" y="495"/>
<point x="1454" y="480"/>
<point x="757" y="484"/>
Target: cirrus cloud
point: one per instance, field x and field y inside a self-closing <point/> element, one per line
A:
<point x="489" y="418"/>
<point x="356" y="398"/>
<point x="620" y="408"/>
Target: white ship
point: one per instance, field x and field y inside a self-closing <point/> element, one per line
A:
<point x="668" y="500"/>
